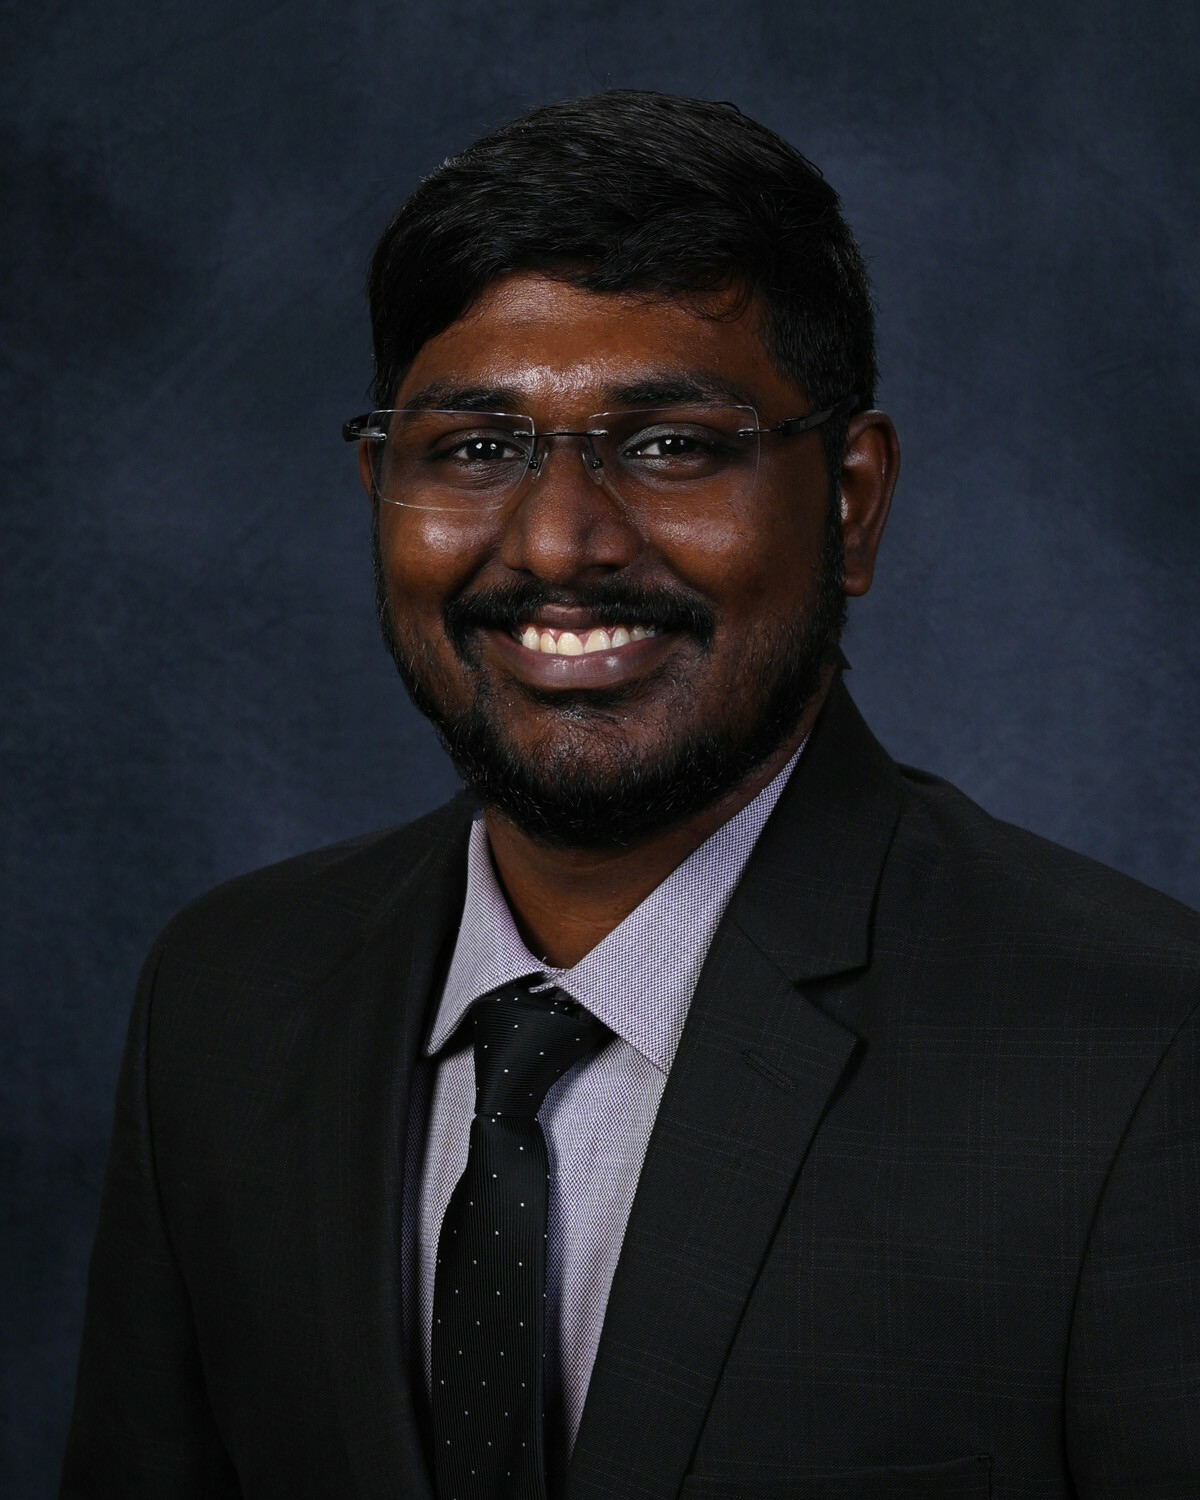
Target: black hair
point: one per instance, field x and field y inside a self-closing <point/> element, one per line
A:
<point x="631" y="190"/>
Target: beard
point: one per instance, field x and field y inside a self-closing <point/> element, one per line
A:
<point x="562" y="791"/>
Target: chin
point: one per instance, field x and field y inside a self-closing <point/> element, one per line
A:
<point x="590" y="784"/>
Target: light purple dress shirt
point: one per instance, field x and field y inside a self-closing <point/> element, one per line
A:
<point x="597" y="1119"/>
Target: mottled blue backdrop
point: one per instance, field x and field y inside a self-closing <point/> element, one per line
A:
<point x="193" y="684"/>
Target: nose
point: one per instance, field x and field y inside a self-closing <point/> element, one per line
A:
<point x="564" y="527"/>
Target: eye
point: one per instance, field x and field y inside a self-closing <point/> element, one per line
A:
<point x="483" y="449"/>
<point x="677" y="448"/>
<point x="666" y="445"/>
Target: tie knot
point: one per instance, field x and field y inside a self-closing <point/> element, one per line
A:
<point x="524" y="1043"/>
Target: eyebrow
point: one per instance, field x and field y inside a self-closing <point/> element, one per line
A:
<point x="691" y="387"/>
<point x="668" y="388"/>
<point x="444" y="395"/>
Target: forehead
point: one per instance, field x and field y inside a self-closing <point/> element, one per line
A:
<point x="552" y="348"/>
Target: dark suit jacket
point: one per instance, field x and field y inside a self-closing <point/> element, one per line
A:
<point x="920" y="1215"/>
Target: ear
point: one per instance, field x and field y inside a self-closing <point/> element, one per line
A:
<point x="869" y="470"/>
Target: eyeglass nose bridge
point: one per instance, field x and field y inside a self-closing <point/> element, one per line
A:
<point x="589" y="456"/>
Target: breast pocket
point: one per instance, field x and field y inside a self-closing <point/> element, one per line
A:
<point x="961" y="1479"/>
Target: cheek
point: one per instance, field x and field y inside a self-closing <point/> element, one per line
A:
<point x="743" y="561"/>
<point x="427" y="557"/>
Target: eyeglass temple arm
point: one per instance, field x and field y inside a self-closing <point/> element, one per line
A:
<point x="359" y="427"/>
<point x="814" y="419"/>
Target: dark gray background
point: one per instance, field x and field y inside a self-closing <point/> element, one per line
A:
<point x="193" y="682"/>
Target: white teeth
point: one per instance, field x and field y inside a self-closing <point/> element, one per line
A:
<point x="581" y="643"/>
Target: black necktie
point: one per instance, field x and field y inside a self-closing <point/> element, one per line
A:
<point x="488" y="1398"/>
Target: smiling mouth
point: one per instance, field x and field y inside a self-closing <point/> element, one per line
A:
<point x="551" y="641"/>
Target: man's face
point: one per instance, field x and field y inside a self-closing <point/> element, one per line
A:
<point x="743" y="597"/>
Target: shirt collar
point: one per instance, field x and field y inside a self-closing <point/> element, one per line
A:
<point x="639" y="980"/>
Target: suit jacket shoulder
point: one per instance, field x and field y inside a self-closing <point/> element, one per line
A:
<point x="950" y="820"/>
<point x="308" y="912"/>
<point x="1022" y="904"/>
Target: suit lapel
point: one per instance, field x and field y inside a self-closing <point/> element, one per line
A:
<point x="757" y="1065"/>
<point x="374" y="1009"/>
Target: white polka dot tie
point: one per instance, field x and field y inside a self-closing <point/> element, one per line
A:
<point x="488" y="1398"/>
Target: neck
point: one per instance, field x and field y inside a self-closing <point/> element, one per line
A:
<point x="566" y="900"/>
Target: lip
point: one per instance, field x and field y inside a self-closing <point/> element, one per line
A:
<point x="597" y="669"/>
<point x="563" y="616"/>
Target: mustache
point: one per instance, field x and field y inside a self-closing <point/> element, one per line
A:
<point x="506" y="607"/>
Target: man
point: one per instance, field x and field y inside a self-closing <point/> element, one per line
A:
<point x="722" y="1110"/>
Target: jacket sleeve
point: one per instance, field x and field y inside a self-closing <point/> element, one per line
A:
<point x="142" y="1427"/>
<point x="1133" y="1381"/>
